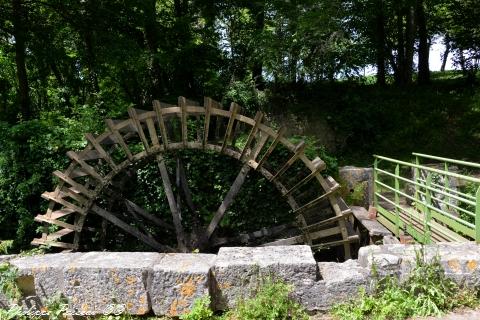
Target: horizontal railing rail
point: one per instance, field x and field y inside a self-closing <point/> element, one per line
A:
<point x="429" y="203"/>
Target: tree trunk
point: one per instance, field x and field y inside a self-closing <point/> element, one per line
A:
<point x="152" y="40"/>
<point x="448" y="47"/>
<point x="423" y="46"/>
<point x="399" y="75"/>
<point x="259" y="9"/>
<point x="409" y="44"/>
<point x="380" y="34"/>
<point x="19" y="24"/>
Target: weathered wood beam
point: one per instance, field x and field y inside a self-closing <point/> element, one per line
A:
<point x="138" y="126"/>
<point x="317" y="200"/>
<point x="228" y="133"/>
<point x="148" y="240"/>
<point x="248" y="238"/>
<point x="177" y="219"/>
<point x="258" y="119"/>
<point x="103" y="154"/>
<point x="85" y="167"/>
<point x="119" y="139"/>
<point x="272" y="147"/>
<point x="81" y="188"/>
<point x="152" y="132"/>
<point x="131" y="206"/>
<point x="319" y="165"/>
<point x="228" y="200"/>
<point x="161" y="122"/>
<point x="182" y="103"/>
<point x="298" y="151"/>
<point x="208" y="104"/>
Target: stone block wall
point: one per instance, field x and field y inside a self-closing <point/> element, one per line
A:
<point x="168" y="284"/>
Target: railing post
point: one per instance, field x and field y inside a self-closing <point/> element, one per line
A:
<point x="428" y="213"/>
<point x="447" y="186"/>
<point x="477" y="216"/>
<point x="375" y="179"/>
<point x="397" y="201"/>
<point x="417" y="176"/>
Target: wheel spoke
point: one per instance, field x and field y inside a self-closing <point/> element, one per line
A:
<point x="134" y="208"/>
<point x="227" y="201"/>
<point x="177" y="219"/>
<point x="147" y="239"/>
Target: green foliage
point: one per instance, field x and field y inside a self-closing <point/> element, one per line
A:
<point x="8" y="284"/>
<point x="13" y="313"/>
<point x="426" y="292"/>
<point x="271" y="301"/>
<point x="56" y="306"/>
<point x="201" y="310"/>
<point x="5" y="245"/>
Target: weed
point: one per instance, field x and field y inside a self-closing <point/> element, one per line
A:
<point x="8" y="285"/>
<point x="426" y="292"/>
<point x="201" y="310"/>
<point x="271" y="301"/>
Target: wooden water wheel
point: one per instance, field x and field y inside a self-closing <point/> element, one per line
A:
<point x="320" y="218"/>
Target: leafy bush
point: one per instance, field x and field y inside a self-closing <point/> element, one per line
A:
<point x="272" y="301"/>
<point x="426" y="292"/>
<point x="201" y="310"/>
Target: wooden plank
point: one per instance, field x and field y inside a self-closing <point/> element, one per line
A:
<point x="130" y="229"/>
<point x="327" y="221"/>
<point x="53" y="243"/>
<point x="44" y="218"/>
<point x="272" y="147"/>
<point x="104" y="154"/>
<point x="298" y="151"/>
<point x="119" y="139"/>
<point x="227" y="201"/>
<point x="161" y="122"/>
<point x="258" y="147"/>
<point x="208" y="109"/>
<point x="57" y="214"/>
<point x="76" y="185"/>
<point x="347" y="241"/>
<point x="258" y="119"/>
<point x="182" y="103"/>
<point x="228" y="133"/>
<point x="301" y="238"/>
<point x="85" y="167"/>
<point x="317" y="200"/>
<point x="59" y="200"/>
<point x="152" y="132"/>
<point x="144" y="213"/>
<point x="177" y="219"/>
<point x="138" y="126"/>
<point x="58" y="234"/>
<point x="319" y="165"/>
<point x="374" y="228"/>
<point x="248" y="238"/>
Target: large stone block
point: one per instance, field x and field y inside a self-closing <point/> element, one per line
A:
<point x="98" y="282"/>
<point x="340" y="282"/>
<point x="460" y="261"/>
<point x="40" y="277"/>
<point x="353" y="177"/>
<point x="238" y="271"/>
<point x="177" y="280"/>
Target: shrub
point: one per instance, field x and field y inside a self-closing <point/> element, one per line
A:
<point x="272" y="301"/>
<point x="426" y="292"/>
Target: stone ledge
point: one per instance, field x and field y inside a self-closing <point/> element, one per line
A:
<point x="168" y="284"/>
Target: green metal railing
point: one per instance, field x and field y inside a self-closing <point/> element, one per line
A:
<point x="431" y="202"/>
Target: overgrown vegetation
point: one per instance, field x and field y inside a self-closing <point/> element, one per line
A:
<point x="426" y="292"/>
